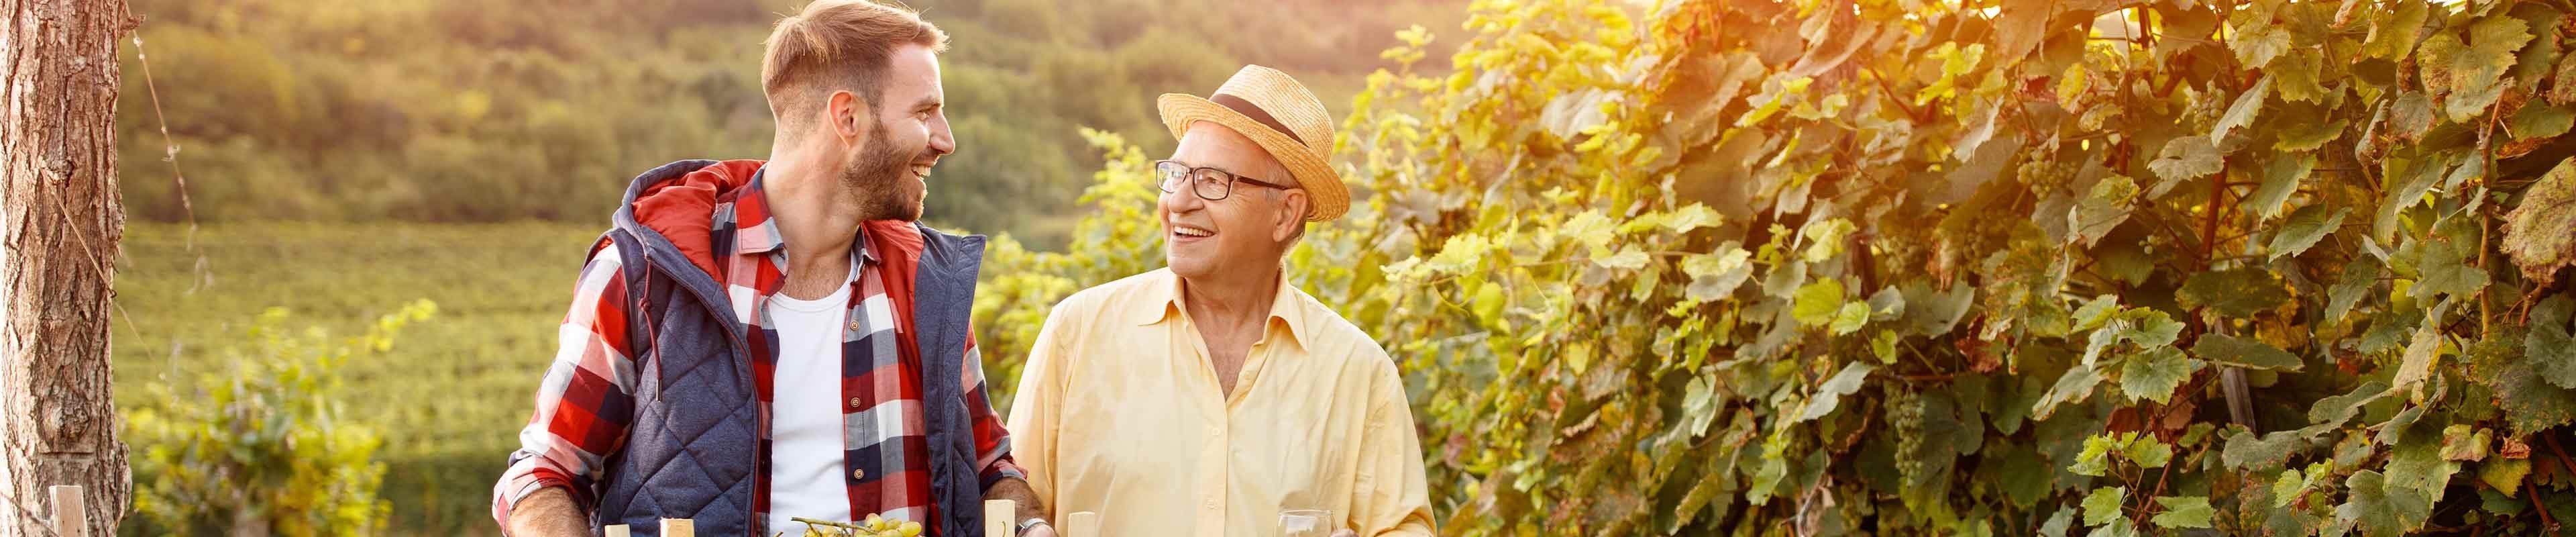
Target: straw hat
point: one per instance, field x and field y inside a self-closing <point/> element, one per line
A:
<point x="1278" y="113"/>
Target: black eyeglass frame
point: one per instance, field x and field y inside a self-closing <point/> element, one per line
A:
<point x="1166" y="171"/>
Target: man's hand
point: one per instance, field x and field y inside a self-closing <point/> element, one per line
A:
<point x="548" y="512"/>
<point x="1026" y="500"/>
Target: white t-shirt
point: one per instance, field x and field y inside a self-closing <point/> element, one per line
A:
<point x="807" y="477"/>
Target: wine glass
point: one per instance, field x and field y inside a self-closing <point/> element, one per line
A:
<point x="1305" y="523"/>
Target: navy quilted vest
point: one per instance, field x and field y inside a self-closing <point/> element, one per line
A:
<point x="691" y="450"/>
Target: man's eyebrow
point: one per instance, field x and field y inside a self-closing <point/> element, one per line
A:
<point x="928" y="103"/>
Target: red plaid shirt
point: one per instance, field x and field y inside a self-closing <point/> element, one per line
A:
<point x="585" y="404"/>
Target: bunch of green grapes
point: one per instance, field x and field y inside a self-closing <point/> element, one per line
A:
<point x="2044" y="172"/>
<point x="873" y="526"/>
<point x="1905" y="415"/>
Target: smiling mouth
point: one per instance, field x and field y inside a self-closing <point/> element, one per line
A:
<point x="1191" y="232"/>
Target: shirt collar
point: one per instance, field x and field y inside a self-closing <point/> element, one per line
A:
<point x="756" y="233"/>
<point x="1286" y="306"/>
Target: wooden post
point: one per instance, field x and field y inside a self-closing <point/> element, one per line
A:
<point x="618" y="530"/>
<point x="71" y="512"/>
<point x="61" y="220"/>
<point x="1082" y="524"/>
<point x="679" y="527"/>
<point x="997" y="518"/>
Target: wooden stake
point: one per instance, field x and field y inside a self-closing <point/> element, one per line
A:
<point x="618" y="530"/>
<point x="71" y="512"/>
<point x="997" y="518"/>
<point x="679" y="527"/>
<point x="1082" y="524"/>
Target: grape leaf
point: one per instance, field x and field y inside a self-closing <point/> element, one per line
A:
<point x="2540" y="233"/>
<point x="2245" y="450"/>
<point x="2421" y="353"/>
<point x="2238" y="292"/>
<point x="2095" y="460"/>
<point x="2023" y="24"/>
<point x="1698" y="402"/>
<point x="2548" y="344"/>
<point x="2504" y="474"/>
<point x="2537" y="120"/>
<point x="2492" y="44"/>
<point x="2101" y="210"/>
<point x="2243" y="352"/>
<point x="2185" y="158"/>
<point x="2411" y="115"/>
<point x="2305" y="228"/>
<point x="2153" y="375"/>
<point x="2529" y="402"/>
<point x="2376" y="510"/>
<point x="2103" y="505"/>
<point x="2286" y="490"/>
<point x="2359" y="276"/>
<point x="2022" y="482"/>
<point x="2148" y="452"/>
<point x="2334" y="410"/>
<point x="2183" y="512"/>
<point x="2444" y="269"/>
<point x="2420" y="175"/>
<point x="2416" y="468"/>
<point x="2396" y="31"/>
<point x="2280" y="179"/>
<point x="2462" y="442"/>
<point x="2258" y="46"/>
<point x="1715" y="275"/>
<point x="2562" y="90"/>
<point x="1829" y="395"/>
<point x="2308" y="136"/>
<point x="2076" y="385"/>
<point x="1850" y="318"/>
<point x="2058" y="523"/>
<point x="2247" y="106"/>
<point x="2298" y="72"/>
<point x="1817" y="302"/>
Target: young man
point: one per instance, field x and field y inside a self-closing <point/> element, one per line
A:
<point x="1210" y="397"/>
<point x="756" y="341"/>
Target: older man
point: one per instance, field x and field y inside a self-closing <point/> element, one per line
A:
<point x="1212" y="397"/>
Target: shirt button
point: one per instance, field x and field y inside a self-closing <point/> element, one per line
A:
<point x="854" y="326"/>
<point x="858" y="474"/>
<point x="854" y="402"/>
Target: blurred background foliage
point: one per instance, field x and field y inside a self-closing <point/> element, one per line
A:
<point x="493" y="110"/>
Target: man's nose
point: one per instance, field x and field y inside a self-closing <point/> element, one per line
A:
<point x="1180" y="200"/>
<point x="941" y="140"/>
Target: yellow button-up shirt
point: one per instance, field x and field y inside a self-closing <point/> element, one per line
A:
<point x="1119" y="413"/>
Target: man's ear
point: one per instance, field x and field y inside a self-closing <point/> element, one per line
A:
<point x="1292" y="214"/>
<point x="845" y="110"/>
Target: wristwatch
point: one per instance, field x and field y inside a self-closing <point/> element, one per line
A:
<point x="1032" y="522"/>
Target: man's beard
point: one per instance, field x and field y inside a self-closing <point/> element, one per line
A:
<point x="876" y="180"/>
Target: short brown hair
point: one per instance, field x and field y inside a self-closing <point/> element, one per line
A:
<point x="838" y="44"/>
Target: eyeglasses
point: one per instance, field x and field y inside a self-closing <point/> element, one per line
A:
<point x="1209" y="183"/>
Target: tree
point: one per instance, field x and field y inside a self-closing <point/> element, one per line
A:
<point x="60" y="220"/>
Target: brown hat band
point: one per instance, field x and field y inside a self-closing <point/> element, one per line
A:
<point x="1256" y="113"/>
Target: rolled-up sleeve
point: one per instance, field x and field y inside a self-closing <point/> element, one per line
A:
<point x="585" y="403"/>
<point x="992" y="442"/>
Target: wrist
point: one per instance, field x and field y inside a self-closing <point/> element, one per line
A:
<point x="1032" y="522"/>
